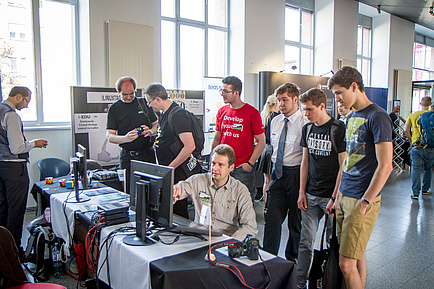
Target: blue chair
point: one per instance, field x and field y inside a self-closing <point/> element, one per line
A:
<point x="52" y="167"/>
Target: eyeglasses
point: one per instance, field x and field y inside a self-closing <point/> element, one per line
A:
<point x="149" y="102"/>
<point x="225" y="92"/>
<point x="27" y="101"/>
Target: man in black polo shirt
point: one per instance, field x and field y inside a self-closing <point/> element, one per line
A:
<point x="123" y="118"/>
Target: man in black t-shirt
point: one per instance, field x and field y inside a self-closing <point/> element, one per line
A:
<point x="323" y="154"/>
<point x="123" y="118"/>
<point x="169" y="135"/>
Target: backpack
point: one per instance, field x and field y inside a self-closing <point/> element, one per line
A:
<point x="38" y="252"/>
<point x="426" y="130"/>
<point x="333" y="129"/>
<point x="197" y="131"/>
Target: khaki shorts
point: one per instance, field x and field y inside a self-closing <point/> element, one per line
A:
<point x="354" y="229"/>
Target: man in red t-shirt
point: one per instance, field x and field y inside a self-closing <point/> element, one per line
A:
<point x="239" y="125"/>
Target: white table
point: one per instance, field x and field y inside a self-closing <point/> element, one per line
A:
<point x="129" y="265"/>
<point x="63" y="208"/>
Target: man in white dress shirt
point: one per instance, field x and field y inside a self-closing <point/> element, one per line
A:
<point x="285" y="177"/>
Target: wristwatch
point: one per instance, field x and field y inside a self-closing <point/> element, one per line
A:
<point x="333" y="199"/>
<point x="366" y="201"/>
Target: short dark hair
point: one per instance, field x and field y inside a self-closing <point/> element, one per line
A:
<point x="156" y="89"/>
<point x="314" y="95"/>
<point x="24" y="91"/>
<point x="236" y="83"/>
<point x="291" y="88"/>
<point x="225" y="150"/>
<point x="123" y="79"/>
<point x="345" y="77"/>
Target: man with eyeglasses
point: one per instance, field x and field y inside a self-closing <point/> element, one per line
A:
<point x="14" y="155"/>
<point x="239" y="125"/>
<point x="131" y="127"/>
<point x="174" y="129"/>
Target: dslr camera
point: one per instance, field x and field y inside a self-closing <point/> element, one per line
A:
<point x="249" y="247"/>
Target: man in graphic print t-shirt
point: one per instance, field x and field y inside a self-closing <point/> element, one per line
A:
<point x="367" y="166"/>
<point x="323" y="154"/>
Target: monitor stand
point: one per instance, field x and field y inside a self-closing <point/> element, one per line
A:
<point x="140" y="238"/>
<point x="133" y="240"/>
<point x="78" y="198"/>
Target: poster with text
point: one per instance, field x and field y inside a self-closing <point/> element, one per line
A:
<point x="212" y="101"/>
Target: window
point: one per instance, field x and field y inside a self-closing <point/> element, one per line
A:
<point x="41" y="57"/>
<point x="194" y="41"/>
<point x="364" y="36"/>
<point x="299" y="36"/>
<point x="420" y="90"/>
<point x="423" y="58"/>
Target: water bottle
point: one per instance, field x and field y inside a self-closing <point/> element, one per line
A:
<point x="57" y="262"/>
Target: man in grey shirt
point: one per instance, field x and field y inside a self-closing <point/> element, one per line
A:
<point x="232" y="210"/>
<point x="14" y="154"/>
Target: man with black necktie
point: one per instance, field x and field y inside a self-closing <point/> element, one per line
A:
<point x="282" y="198"/>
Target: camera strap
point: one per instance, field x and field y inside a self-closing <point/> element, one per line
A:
<point x="234" y="269"/>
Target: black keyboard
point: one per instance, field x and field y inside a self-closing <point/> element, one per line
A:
<point x="192" y="230"/>
<point x="183" y="225"/>
<point x="104" y="175"/>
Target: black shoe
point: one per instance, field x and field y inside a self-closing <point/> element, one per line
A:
<point x="427" y="193"/>
<point x="415" y="197"/>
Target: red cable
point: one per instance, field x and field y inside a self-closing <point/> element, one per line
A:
<point x="228" y="266"/>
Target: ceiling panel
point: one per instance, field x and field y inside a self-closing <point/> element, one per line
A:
<point x="416" y="11"/>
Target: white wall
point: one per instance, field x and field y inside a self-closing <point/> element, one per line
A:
<point x="346" y="15"/>
<point x="144" y="12"/>
<point x="401" y="57"/>
<point x="323" y="54"/>
<point x="380" y="50"/>
<point x="335" y="34"/>
<point x="263" y="43"/>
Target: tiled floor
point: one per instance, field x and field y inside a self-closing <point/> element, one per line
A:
<point x="400" y="251"/>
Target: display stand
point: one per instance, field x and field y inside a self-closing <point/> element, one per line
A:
<point x="399" y="141"/>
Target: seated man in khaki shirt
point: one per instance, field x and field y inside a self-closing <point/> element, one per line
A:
<point x="231" y="206"/>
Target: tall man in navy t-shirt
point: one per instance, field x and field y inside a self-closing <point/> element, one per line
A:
<point x="367" y="166"/>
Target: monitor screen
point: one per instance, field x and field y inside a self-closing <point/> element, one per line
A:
<point x="82" y="165"/>
<point x="151" y="197"/>
<point x="80" y="174"/>
<point x="207" y="146"/>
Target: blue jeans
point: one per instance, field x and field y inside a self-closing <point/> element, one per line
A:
<point x="421" y="159"/>
<point x="247" y="178"/>
<point x="316" y="209"/>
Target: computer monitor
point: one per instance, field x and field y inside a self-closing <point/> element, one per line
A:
<point x="82" y="165"/>
<point x="151" y="197"/>
<point x="80" y="173"/>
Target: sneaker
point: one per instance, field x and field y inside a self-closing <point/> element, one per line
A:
<point x="415" y="197"/>
<point x="426" y="193"/>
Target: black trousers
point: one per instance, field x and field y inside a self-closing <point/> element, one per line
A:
<point x="14" y="187"/>
<point x="126" y="157"/>
<point x="282" y="202"/>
